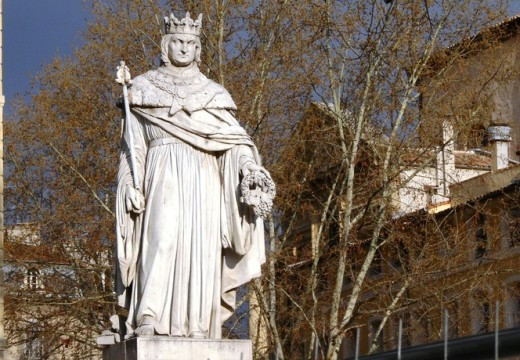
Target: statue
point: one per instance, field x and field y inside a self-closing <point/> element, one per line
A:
<point x="187" y="237"/>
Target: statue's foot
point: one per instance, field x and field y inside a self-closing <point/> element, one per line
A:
<point x="198" y="335"/>
<point x="145" y="330"/>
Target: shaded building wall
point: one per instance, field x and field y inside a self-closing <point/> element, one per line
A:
<point x="480" y="89"/>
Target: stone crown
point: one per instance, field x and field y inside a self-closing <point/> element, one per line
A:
<point x="183" y="26"/>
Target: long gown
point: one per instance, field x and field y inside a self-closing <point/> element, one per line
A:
<point x="184" y="256"/>
<point x="182" y="236"/>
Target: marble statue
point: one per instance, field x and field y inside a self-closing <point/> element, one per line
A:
<point x="190" y="199"/>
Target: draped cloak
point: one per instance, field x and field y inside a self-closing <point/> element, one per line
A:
<point x="181" y="260"/>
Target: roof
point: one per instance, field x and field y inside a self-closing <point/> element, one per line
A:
<point x="479" y="187"/>
<point x="483" y="185"/>
<point x="468" y="159"/>
<point x="501" y="32"/>
<point x="370" y="132"/>
<point x="463" y="159"/>
<point x="23" y="245"/>
<point x="510" y="26"/>
<point x="16" y="253"/>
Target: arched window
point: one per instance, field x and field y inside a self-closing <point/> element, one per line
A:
<point x="348" y="345"/>
<point x="481" y="311"/>
<point x="33" y="347"/>
<point x="33" y="280"/>
<point x="451" y="310"/>
<point x="512" y="309"/>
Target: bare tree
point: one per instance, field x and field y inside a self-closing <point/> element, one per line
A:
<point x="357" y="146"/>
<point x="331" y="93"/>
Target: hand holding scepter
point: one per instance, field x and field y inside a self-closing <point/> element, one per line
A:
<point x="134" y="198"/>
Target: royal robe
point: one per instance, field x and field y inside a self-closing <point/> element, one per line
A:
<point x="181" y="260"/>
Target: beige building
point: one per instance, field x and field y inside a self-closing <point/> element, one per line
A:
<point x="453" y="241"/>
<point x="460" y="213"/>
<point x="40" y="283"/>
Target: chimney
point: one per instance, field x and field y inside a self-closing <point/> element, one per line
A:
<point x="499" y="138"/>
<point x="446" y="159"/>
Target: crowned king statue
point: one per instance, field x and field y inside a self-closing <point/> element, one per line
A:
<point x="190" y="199"/>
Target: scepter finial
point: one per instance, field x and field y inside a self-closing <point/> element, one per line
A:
<point x="123" y="74"/>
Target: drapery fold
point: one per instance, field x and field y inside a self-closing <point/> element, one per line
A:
<point x="209" y="155"/>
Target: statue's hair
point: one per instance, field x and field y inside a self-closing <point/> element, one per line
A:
<point x="164" y="49"/>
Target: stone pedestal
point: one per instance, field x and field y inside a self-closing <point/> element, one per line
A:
<point x="167" y="348"/>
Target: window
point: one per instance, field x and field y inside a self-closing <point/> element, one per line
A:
<point x="335" y="228"/>
<point x="514" y="226"/>
<point x="377" y="340"/>
<point x="421" y="326"/>
<point x="480" y="235"/>
<point x="400" y="256"/>
<point x="513" y="304"/>
<point x="406" y="341"/>
<point x="376" y="267"/>
<point x="481" y="313"/>
<point x="33" y="280"/>
<point x="485" y="313"/>
<point x="33" y="347"/>
<point x="101" y="281"/>
<point x="452" y="311"/>
<point x="348" y="345"/>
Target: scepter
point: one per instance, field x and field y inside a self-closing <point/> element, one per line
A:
<point x="124" y="78"/>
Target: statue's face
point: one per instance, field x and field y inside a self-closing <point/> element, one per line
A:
<point x="182" y="49"/>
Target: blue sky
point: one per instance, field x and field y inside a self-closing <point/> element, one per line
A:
<point x="515" y="7"/>
<point x="37" y="30"/>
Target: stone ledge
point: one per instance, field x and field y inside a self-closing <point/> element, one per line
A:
<point x="168" y="348"/>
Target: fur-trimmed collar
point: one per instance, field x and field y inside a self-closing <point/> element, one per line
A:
<point x="178" y="89"/>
